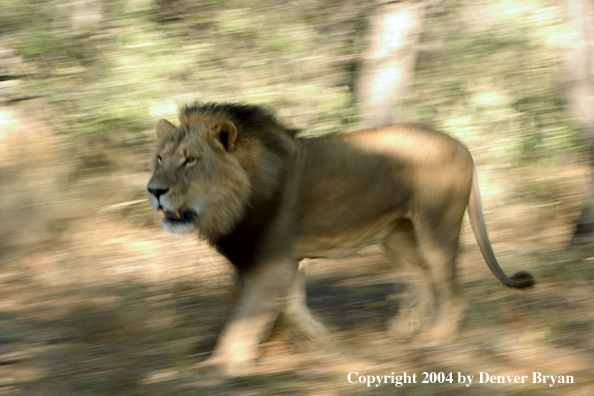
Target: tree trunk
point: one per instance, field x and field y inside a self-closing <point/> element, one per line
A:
<point x="579" y="92"/>
<point x="388" y="61"/>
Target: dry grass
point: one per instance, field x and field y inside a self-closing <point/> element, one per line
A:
<point x="96" y="299"/>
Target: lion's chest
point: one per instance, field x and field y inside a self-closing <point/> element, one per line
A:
<point x="344" y="243"/>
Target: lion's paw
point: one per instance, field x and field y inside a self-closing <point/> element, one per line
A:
<point x="216" y="368"/>
<point x="407" y="324"/>
<point x="317" y="334"/>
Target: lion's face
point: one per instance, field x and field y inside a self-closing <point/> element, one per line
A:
<point x="197" y="181"/>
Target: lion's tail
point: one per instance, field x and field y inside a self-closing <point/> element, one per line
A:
<point x="520" y="280"/>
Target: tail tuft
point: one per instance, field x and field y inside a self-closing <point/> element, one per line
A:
<point x="522" y="280"/>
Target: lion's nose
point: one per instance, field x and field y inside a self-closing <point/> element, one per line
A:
<point x="157" y="192"/>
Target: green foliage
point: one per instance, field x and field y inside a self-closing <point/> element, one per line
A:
<point x="493" y="78"/>
<point x="486" y="71"/>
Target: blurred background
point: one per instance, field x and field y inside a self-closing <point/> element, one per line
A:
<point x="96" y="299"/>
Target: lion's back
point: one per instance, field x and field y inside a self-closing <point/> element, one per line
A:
<point x="363" y="180"/>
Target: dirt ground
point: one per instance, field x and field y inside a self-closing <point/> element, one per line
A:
<point x="96" y="299"/>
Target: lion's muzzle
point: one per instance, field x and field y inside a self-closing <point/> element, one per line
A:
<point x="157" y="192"/>
<point x="176" y="221"/>
<point x="154" y="196"/>
<point x="180" y="222"/>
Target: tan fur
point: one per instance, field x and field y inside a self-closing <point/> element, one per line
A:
<point x="222" y="193"/>
<point x="345" y="243"/>
<point x="266" y="200"/>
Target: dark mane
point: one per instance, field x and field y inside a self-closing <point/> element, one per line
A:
<point x="245" y="117"/>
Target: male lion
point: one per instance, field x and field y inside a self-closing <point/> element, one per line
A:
<point x="266" y="199"/>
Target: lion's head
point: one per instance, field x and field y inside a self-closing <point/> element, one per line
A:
<point x="198" y="182"/>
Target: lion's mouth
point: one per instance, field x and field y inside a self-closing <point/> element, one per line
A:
<point x="184" y="216"/>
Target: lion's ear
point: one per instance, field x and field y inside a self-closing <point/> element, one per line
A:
<point x="226" y="134"/>
<point x="164" y="128"/>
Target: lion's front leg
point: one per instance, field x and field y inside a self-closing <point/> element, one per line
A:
<point x="296" y="310"/>
<point x="257" y="309"/>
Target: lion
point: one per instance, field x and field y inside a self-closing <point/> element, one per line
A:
<point x="266" y="199"/>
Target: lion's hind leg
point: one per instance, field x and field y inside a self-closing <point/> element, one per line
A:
<point x="438" y="249"/>
<point x="418" y="306"/>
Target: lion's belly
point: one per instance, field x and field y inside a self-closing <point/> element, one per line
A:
<point x="344" y="243"/>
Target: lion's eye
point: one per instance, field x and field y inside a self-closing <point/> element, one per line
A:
<point x="190" y="161"/>
<point x="159" y="159"/>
